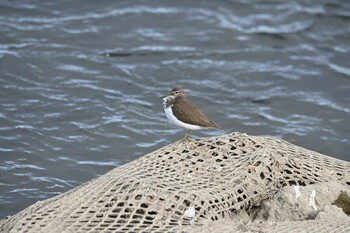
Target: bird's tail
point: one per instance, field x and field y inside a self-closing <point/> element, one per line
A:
<point x="215" y="126"/>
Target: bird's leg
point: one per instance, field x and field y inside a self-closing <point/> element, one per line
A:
<point x="188" y="133"/>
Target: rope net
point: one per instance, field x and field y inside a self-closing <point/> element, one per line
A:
<point x="213" y="184"/>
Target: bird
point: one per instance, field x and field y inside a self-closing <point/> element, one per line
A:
<point x="180" y="111"/>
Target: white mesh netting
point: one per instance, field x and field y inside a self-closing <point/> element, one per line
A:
<point x="213" y="184"/>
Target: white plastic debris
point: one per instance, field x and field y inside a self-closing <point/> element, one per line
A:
<point x="297" y="191"/>
<point x="312" y="199"/>
<point x="190" y="212"/>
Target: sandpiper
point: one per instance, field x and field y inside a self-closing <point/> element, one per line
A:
<point x="182" y="112"/>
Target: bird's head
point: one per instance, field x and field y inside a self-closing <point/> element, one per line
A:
<point x="175" y="92"/>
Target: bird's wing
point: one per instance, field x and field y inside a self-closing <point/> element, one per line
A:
<point x="187" y="112"/>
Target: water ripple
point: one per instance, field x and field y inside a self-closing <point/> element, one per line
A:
<point x="90" y="16"/>
<point x="340" y="69"/>
<point x="80" y="85"/>
<point x="99" y="163"/>
<point x="151" y="144"/>
<point x="12" y="165"/>
<point x="319" y="100"/>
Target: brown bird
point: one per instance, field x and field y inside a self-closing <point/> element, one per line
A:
<point x="182" y="112"/>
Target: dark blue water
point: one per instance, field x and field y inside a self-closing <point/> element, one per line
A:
<point x="80" y="81"/>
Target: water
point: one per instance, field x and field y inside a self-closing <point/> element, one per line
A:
<point x="80" y="81"/>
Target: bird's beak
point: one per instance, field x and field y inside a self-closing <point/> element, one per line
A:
<point x="162" y="97"/>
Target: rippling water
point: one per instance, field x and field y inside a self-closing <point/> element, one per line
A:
<point x="80" y="81"/>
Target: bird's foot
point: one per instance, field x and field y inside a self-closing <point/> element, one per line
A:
<point x="186" y="136"/>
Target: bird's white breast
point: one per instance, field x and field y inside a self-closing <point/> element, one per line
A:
<point x="169" y="114"/>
